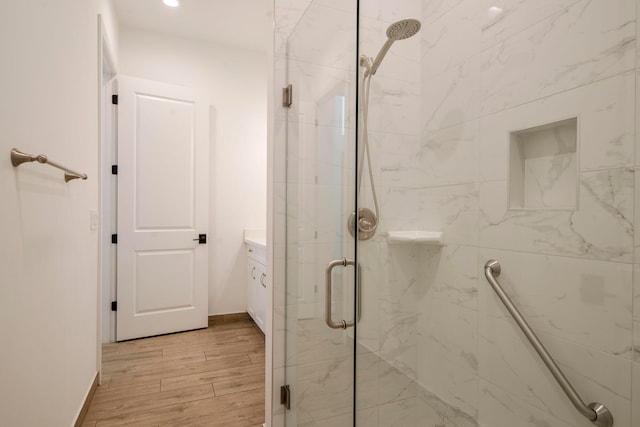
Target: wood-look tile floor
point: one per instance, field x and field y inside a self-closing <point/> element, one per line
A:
<point x="209" y="377"/>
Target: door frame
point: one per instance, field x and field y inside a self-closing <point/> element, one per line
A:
<point x="106" y="144"/>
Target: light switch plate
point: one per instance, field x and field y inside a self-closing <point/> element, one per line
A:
<point x="94" y="219"/>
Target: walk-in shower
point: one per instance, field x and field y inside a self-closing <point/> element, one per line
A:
<point x="510" y="131"/>
<point x="367" y="221"/>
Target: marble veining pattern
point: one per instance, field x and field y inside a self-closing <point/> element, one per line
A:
<point x="450" y="209"/>
<point x="509" y="17"/>
<point x="602" y="227"/>
<point x="452" y="44"/>
<point x="636" y="314"/>
<point x="508" y="361"/>
<point x="449" y="275"/>
<point x="598" y="41"/>
<point x="636" y="232"/>
<point x="448" y="156"/>
<point x="434" y="9"/>
<point x="583" y="301"/>
<point x="499" y="408"/>
<point x="452" y="97"/>
<point x="635" y="414"/>
<point x="606" y="126"/>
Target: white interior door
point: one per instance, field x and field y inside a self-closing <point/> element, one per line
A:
<point x="163" y="174"/>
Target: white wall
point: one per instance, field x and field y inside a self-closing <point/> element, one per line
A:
<point x="48" y="254"/>
<point x="110" y="22"/>
<point x="235" y="81"/>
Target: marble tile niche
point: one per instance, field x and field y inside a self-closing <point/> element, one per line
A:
<point x="543" y="172"/>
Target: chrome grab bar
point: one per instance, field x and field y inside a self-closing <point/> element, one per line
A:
<point x="597" y="413"/>
<point x="18" y="158"/>
<point x="343" y="324"/>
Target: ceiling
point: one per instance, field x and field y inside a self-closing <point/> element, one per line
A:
<point x="239" y="23"/>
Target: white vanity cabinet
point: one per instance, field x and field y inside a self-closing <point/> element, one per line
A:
<point x="256" y="282"/>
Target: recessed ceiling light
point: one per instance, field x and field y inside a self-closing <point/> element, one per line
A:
<point x="171" y="3"/>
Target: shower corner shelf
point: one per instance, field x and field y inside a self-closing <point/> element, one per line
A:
<point x="422" y="237"/>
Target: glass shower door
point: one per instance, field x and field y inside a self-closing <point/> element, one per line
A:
<point x="510" y="127"/>
<point x="319" y="62"/>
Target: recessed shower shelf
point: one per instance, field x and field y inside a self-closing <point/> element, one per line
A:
<point x="543" y="166"/>
<point x="422" y="237"/>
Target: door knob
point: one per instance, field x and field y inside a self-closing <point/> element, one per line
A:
<point x="202" y="239"/>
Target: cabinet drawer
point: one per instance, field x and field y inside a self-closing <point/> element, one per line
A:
<point x="258" y="253"/>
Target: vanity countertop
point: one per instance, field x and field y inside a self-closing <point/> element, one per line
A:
<point x="256" y="238"/>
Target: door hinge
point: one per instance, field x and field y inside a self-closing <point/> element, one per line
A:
<point x="114" y="169"/>
<point x="114" y="305"/>
<point x="114" y="238"/>
<point x="114" y="99"/>
<point x="287" y="96"/>
<point x="285" y="396"/>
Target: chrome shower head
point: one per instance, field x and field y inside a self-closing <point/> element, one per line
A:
<point x="403" y="29"/>
<point x="399" y="30"/>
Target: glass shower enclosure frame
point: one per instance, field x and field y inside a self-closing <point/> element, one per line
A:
<point x="506" y="130"/>
<point x="319" y="128"/>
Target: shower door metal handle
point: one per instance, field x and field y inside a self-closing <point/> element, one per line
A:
<point x="342" y="324"/>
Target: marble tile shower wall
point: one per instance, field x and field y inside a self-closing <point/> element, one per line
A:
<point x="490" y="68"/>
